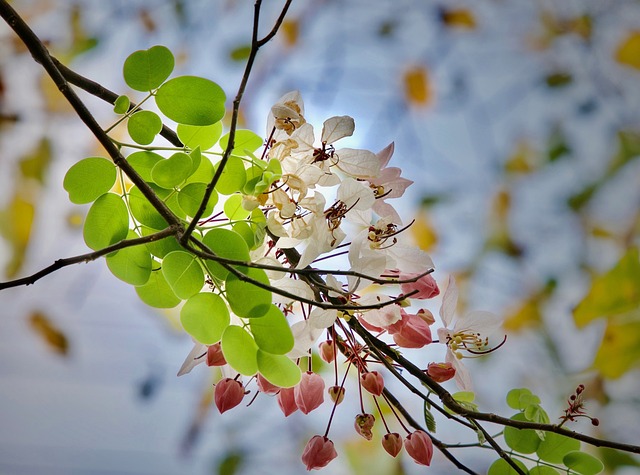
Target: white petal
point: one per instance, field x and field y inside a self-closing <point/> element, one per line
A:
<point x="293" y="286"/>
<point x="449" y="302"/>
<point x="336" y="128"/>
<point x="355" y="194"/>
<point x="479" y="321"/>
<point x="358" y="163"/>
<point x="382" y="317"/>
<point x="322" y="318"/>
<point x="192" y="360"/>
<point x="409" y="259"/>
<point x="385" y="154"/>
<point x="462" y="376"/>
<point x="304" y="335"/>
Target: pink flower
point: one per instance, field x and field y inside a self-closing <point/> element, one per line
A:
<point x="363" y="425"/>
<point x="388" y="184"/>
<point x="286" y="401"/>
<point x="419" y="447"/>
<point x="327" y="351"/>
<point x="215" y="356"/>
<point x="372" y="382"/>
<point x="336" y="393"/>
<point x="318" y="452"/>
<point x="228" y="394"/>
<point x="426" y="286"/>
<point x="415" y="333"/>
<point x="392" y="443"/>
<point x="265" y="386"/>
<point x="309" y="392"/>
<point x="441" y="372"/>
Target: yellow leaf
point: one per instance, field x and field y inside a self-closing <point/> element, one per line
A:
<point x="458" y="18"/>
<point x="613" y="293"/>
<point x="423" y="232"/>
<point x="620" y="349"/>
<point x="522" y="159"/>
<point x="417" y="87"/>
<point x="15" y="226"/>
<point x="527" y="315"/>
<point x="47" y="330"/>
<point x="290" y="32"/>
<point x="628" y="52"/>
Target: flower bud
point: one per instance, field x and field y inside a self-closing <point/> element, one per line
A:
<point x="336" y="393"/>
<point x="363" y="425"/>
<point x="265" y="386"/>
<point x="425" y="287"/>
<point x="228" y="394"/>
<point x="327" y="351"/>
<point x="427" y="316"/>
<point x="286" y="401"/>
<point x="441" y="372"/>
<point x="392" y="443"/>
<point x="318" y="452"/>
<point x="419" y="447"/>
<point x="372" y="382"/>
<point x="215" y="356"/>
<point x="414" y="334"/>
<point x="309" y="392"/>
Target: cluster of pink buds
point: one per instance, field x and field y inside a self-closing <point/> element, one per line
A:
<point x="576" y="409"/>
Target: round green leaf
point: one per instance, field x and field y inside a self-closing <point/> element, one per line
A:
<point x="190" y="197"/>
<point x="225" y="243"/>
<point x="143" y="163"/>
<point x="232" y="178"/>
<point x="196" y="157"/>
<point x="161" y="247"/>
<point x="156" y="292"/>
<point x="143" y="211"/>
<point x="88" y="179"/>
<point x="205" y="136"/>
<point x="233" y="208"/>
<point x="555" y="446"/>
<point x="278" y="369"/>
<point x="107" y="222"/>
<point x="244" y="141"/>
<point x="183" y="273"/>
<point x="240" y="350"/>
<point x="143" y="126"/>
<point x="121" y="105"/>
<point x="205" y="317"/>
<point x="525" y="441"/>
<point x="543" y="470"/>
<point x="244" y="229"/>
<point x="204" y="172"/>
<point x="501" y="467"/>
<point x="172" y="171"/>
<point x="272" y="332"/>
<point x="145" y="70"/>
<point x="246" y="299"/>
<point x="583" y="463"/>
<point x="131" y="264"/>
<point x="520" y="398"/>
<point x="191" y="100"/>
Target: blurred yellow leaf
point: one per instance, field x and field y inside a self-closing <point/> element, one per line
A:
<point x="47" y="330"/>
<point x="423" y="232"/>
<point x="526" y="316"/>
<point x="620" y="349"/>
<point x="417" y="87"/>
<point x="15" y="225"/>
<point x="458" y="18"/>
<point x="522" y="159"/>
<point x="613" y="293"/>
<point x="366" y="457"/>
<point x="628" y="52"/>
<point x="35" y="164"/>
<point x="290" y="32"/>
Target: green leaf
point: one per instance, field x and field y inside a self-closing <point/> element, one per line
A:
<point x="161" y="247"/>
<point x="145" y="70"/>
<point x="156" y="292"/>
<point x="272" y="332"/>
<point x="543" y="470"/>
<point x="232" y="178"/>
<point x="555" y="446"/>
<point x="520" y="398"/>
<point x="143" y="211"/>
<point x="429" y="420"/>
<point x="583" y="463"/>
<point x="172" y="171"/>
<point x="88" y="179"/>
<point x="191" y="100"/>
<point x="121" y="105"/>
<point x="183" y="273"/>
<point x="240" y="350"/>
<point x="278" y="369"/>
<point x="525" y="441"/>
<point x="205" y="317"/>
<point x="190" y="197"/>
<point x="196" y="157"/>
<point x="233" y="208"/>
<point x="466" y="399"/>
<point x="246" y="299"/>
<point x="205" y="136"/>
<point x="612" y="293"/>
<point x="131" y="264"/>
<point x="244" y="141"/>
<point x="535" y="413"/>
<point x="143" y="163"/>
<point x="204" y="173"/>
<point x="244" y="229"/>
<point x="228" y="244"/>
<point x="240" y="53"/>
<point x="107" y="222"/>
<point x="501" y="467"/>
<point x="143" y="126"/>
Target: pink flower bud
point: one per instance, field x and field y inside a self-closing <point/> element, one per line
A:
<point x="287" y="401"/>
<point x="392" y="443"/>
<point x="215" y="356"/>
<point x="309" y="392"/>
<point x="336" y="393"/>
<point x="414" y="334"/>
<point x="363" y="425"/>
<point x="441" y="372"/>
<point x="419" y="447"/>
<point x="228" y="394"/>
<point x="372" y="382"/>
<point x="318" y="452"/>
<point x="327" y="351"/>
<point x="427" y="316"/>
<point x="265" y="386"/>
<point x="425" y="286"/>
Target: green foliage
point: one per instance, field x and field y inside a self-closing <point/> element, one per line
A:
<point x="240" y="350"/>
<point x="278" y="369"/>
<point x="246" y="299"/>
<point x="143" y="126"/>
<point x="191" y="100"/>
<point x="143" y="211"/>
<point x="524" y="441"/>
<point x="233" y="208"/>
<point x="233" y="176"/>
<point x="555" y="446"/>
<point x="521" y="398"/>
<point x="224" y="243"/>
<point x="190" y="197"/>
<point x="89" y="178"/>
<point x="131" y="264"/>
<point x="272" y="332"/>
<point x="143" y="162"/>
<point x="429" y="420"/>
<point x="171" y="172"/>
<point x="205" y="136"/>
<point x="183" y="273"/>
<point x="583" y="463"/>
<point x="121" y="105"/>
<point x="543" y="470"/>
<point x="243" y="142"/>
<point x="205" y="317"/>
<point x="145" y="70"/>
<point x="107" y="222"/>
<point x="156" y="292"/>
<point x="501" y="467"/>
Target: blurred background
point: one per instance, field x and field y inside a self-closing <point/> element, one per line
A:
<point x="518" y="122"/>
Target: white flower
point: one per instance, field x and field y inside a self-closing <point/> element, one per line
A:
<point x="469" y="336"/>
